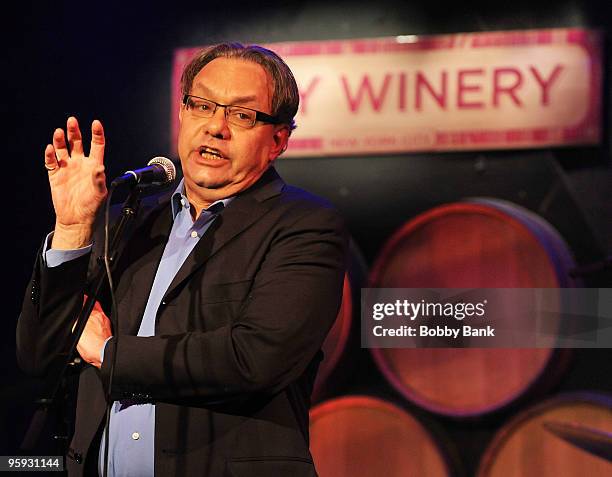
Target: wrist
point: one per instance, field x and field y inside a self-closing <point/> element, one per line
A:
<point x="69" y="237"/>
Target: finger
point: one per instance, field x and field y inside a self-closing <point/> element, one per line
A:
<point x="97" y="142"/>
<point x="61" y="150"/>
<point x="74" y="136"/>
<point x="51" y="163"/>
<point x="98" y="307"/>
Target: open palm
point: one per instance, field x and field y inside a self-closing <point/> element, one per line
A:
<point x="78" y="182"/>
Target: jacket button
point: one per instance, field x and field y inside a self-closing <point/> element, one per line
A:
<point x="78" y="458"/>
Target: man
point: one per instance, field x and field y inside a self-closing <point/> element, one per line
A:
<point x="225" y="290"/>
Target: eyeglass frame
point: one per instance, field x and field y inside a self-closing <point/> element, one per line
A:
<point x="259" y="116"/>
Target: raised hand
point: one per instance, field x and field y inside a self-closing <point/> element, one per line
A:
<point x="78" y="183"/>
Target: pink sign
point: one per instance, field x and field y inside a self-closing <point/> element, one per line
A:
<point x="467" y="91"/>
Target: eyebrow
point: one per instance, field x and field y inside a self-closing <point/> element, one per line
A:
<point x="243" y="99"/>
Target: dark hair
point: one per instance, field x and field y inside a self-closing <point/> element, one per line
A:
<point x="285" y="98"/>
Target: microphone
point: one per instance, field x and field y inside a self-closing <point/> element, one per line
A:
<point x="159" y="171"/>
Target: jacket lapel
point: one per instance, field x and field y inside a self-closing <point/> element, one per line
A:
<point x="243" y="211"/>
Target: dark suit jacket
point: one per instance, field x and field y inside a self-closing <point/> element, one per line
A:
<point x="237" y="340"/>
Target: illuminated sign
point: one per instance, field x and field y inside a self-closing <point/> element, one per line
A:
<point x="468" y="91"/>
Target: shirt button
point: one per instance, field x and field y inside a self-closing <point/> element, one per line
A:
<point x="194" y="234"/>
<point x="135" y="436"/>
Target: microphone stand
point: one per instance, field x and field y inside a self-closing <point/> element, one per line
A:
<point x="51" y="400"/>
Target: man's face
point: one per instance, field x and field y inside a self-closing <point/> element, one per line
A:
<point x="220" y="159"/>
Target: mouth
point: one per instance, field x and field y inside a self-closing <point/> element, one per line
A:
<point x="210" y="153"/>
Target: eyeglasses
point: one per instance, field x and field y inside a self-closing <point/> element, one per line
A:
<point x="237" y="115"/>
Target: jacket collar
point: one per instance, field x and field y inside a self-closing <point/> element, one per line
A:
<point x="267" y="186"/>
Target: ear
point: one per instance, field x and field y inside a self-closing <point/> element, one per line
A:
<point x="280" y="140"/>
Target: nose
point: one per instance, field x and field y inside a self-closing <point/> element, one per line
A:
<point x="217" y="125"/>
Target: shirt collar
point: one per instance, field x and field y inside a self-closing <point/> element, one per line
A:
<point x="179" y="202"/>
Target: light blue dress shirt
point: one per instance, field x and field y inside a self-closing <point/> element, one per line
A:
<point x="132" y="426"/>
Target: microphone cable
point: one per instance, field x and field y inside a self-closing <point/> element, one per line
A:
<point x="114" y="323"/>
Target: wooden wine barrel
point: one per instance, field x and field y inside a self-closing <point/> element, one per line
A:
<point x="341" y="340"/>
<point x="525" y="447"/>
<point x="483" y="243"/>
<point x="358" y="436"/>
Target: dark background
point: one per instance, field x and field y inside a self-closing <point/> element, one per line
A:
<point x="112" y="61"/>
